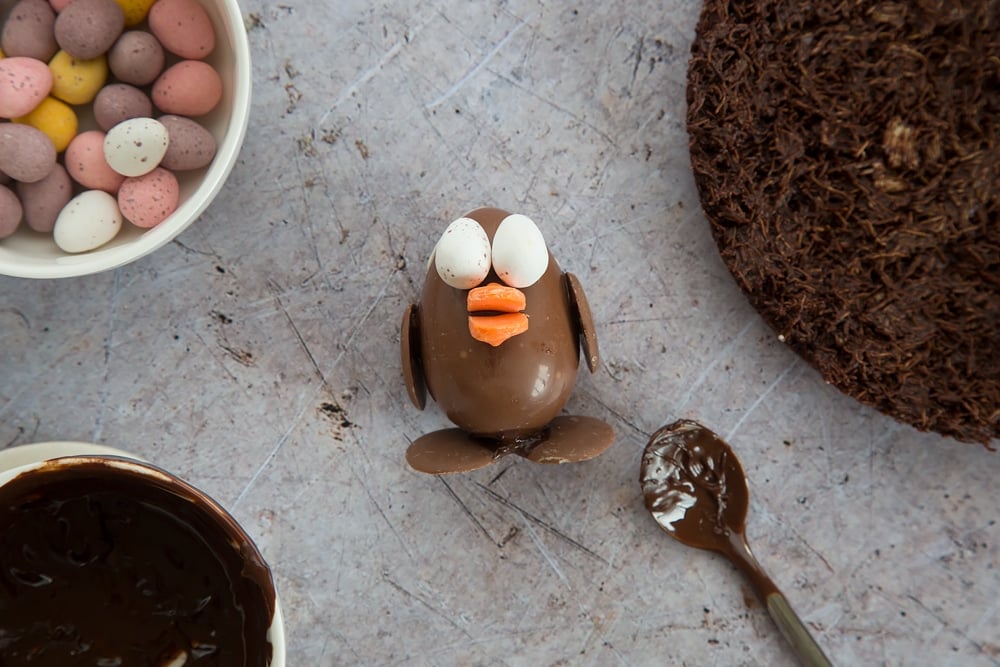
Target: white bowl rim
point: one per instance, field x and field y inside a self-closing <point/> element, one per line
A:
<point x="107" y="259"/>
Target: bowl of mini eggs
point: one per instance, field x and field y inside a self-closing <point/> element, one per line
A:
<point x="120" y="121"/>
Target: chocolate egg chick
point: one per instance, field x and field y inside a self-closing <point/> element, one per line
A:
<point x="496" y="341"/>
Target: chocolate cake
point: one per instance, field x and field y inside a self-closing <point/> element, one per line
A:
<point x="847" y="157"/>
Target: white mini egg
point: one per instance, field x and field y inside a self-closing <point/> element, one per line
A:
<point x="462" y="256"/>
<point x="136" y="146"/>
<point x="88" y="221"/>
<point x="520" y="256"/>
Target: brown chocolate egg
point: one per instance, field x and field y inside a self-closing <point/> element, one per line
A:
<point x="496" y="341"/>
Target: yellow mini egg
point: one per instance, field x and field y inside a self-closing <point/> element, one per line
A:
<point x="56" y="119"/>
<point x="77" y="81"/>
<point x="135" y="10"/>
<point x="1" y="53"/>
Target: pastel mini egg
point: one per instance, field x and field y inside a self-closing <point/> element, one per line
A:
<point x="189" y="88"/>
<point x="520" y="255"/>
<point x="191" y="146"/>
<point x="28" y="30"/>
<point x="59" y="5"/>
<point x="88" y="221"/>
<point x="10" y="212"/>
<point x="148" y="200"/>
<point x="183" y="27"/>
<point x="85" y="163"/>
<point x="135" y="147"/>
<point x="42" y="200"/>
<point x="56" y="119"/>
<point x="77" y="81"/>
<point x="87" y="28"/>
<point x="135" y="10"/>
<point x="462" y="256"/>
<point x="26" y="154"/>
<point x="24" y="83"/>
<point x="118" y="102"/>
<point x="136" y="58"/>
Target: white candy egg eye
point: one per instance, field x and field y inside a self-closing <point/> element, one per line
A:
<point x="520" y="256"/>
<point x="462" y="256"/>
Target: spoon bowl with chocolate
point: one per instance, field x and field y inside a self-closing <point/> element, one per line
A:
<point x="695" y="488"/>
<point x="105" y="560"/>
<point x="496" y="341"/>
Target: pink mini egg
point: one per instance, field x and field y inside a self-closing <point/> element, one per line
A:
<point x="59" y="5"/>
<point x="10" y="212"/>
<point x="147" y="200"/>
<point x="189" y="88"/>
<point x="44" y="199"/>
<point x="87" y="165"/>
<point x="28" y="31"/>
<point x="183" y="27"/>
<point x="24" y="83"/>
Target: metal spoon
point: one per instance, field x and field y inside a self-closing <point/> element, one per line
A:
<point x="695" y="488"/>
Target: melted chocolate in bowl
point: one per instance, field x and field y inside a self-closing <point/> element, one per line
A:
<point x="101" y="565"/>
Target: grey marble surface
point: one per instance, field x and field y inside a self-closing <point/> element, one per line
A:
<point x="257" y="357"/>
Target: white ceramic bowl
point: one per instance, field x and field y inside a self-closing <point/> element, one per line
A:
<point x="29" y="254"/>
<point x="18" y="461"/>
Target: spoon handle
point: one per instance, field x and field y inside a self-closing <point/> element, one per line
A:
<point x="791" y="626"/>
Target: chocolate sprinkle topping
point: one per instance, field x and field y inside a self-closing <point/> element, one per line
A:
<point x="847" y="156"/>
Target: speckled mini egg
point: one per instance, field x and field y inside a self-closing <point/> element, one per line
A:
<point x="10" y="212"/>
<point x="26" y="154"/>
<point x="183" y="27"/>
<point x="147" y="200"/>
<point x="77" y="81"/>
<point x="24" y="83"/>
<point x="136" y="58"/>
<point x="86" y="165"/>
<point x="87" y="28"/>
<point x="462" y="255"/>
<point x="42" y="200"/>
<point x="135" y="147"/>
<point x="59" y="5"/>
<point x="119" y="102"/>
<point x="28" y="30"/>
<point x="88" y="221"/>
<point x="189" y="88"/>
<point x="135" y="10"/>
<point x="191" y="145"/>
<point x="56" y="119"/>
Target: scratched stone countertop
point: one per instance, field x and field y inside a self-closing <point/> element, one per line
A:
<point x="257" y="356"/>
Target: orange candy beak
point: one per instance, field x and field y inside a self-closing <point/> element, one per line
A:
<point x="501" y="316"/>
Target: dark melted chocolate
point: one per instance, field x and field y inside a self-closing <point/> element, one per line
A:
<point x="695" y="488"/>
<point x="99" y="566"/>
